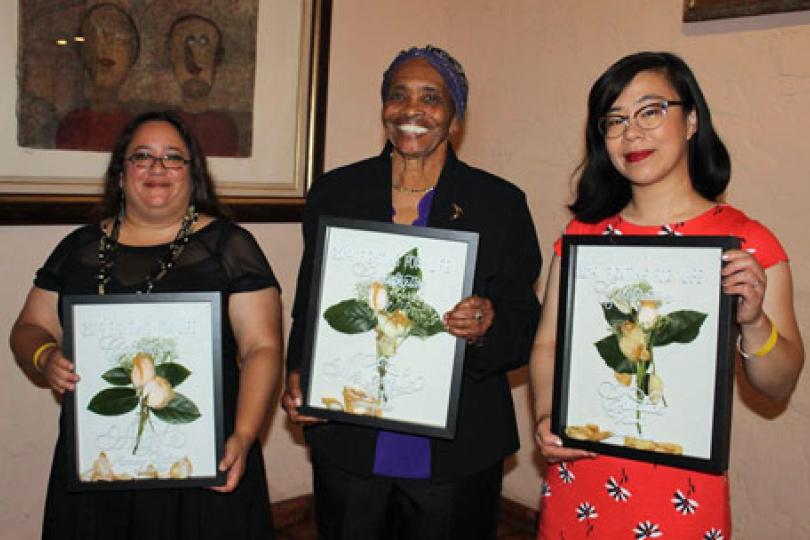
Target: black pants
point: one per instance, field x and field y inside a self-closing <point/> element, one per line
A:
<point x="349" y="506"/>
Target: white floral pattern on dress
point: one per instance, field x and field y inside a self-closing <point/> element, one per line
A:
<point x="646" y="529"/>
<point x="713" y="534"/>
<point x="585" y="511"/>
<point x="565" y="474"/>
<point x="616" y="491"/>
<point x="684" y="504"/>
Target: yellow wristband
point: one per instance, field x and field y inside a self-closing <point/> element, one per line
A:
<point x="41" y="349"/>
<point x="768" y="345"/>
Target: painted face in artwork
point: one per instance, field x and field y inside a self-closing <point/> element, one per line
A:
<point x="110" y="45"/>
<point x="194" y="47"/>
<point x="648" y="156"/>
<point x="152" y="187"/>
<point x="418" y="114"/>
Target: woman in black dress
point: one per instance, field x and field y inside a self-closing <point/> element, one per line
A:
<point x="162" y="229"/>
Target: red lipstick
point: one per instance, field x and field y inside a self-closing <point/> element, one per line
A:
<point x="633" y="157"/>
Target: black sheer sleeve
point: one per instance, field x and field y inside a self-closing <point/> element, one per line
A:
<point x="244" y="261"/>
<point x="52" y="275"/>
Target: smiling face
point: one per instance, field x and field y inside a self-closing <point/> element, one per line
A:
<point x="156" y="191"/>
<point x="417" y="111"/>
<point x="651" y="156"/>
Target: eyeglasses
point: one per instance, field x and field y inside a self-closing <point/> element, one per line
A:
<point x="648" y="117"/>
<point x="144" y="160"/>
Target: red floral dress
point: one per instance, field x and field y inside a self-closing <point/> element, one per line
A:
<point x="615" y="498"/>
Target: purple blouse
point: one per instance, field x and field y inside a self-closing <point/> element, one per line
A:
<point x="397" y="454"/>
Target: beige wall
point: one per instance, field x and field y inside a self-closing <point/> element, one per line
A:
<point x="530" y="63"/>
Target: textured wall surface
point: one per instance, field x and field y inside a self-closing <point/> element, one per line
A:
<point x="530" y="64"/>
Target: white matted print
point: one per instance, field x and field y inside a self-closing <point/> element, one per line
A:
<point x="645" y="348"/>
<point x="379" y="352"/>
<point x="147" y="408"/>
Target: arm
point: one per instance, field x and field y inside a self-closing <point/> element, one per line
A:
<point x="765" y="298"/>
<point x="510" y="310"/>
<point x="256" y="320"/>
<point x="541" y="374"/>
<point x="38" y="324"/>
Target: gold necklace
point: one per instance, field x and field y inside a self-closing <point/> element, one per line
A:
<point x="403" y="189"/>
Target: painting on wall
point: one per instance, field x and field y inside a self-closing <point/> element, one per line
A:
<point x="85" y="69"/>
<point x="248" y="77"/>
<point x="704" y="10"/>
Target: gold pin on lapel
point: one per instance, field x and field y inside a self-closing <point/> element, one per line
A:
<point x="456" y="213"/>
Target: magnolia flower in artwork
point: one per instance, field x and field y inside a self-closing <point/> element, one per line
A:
<point x="143" y="369"/>
<point x="146" y="380"/>
<point x="637" y="328"/>
<point x="647" y="314"/>
<point x="393" y="309"/>
<point x="158" y="393"/>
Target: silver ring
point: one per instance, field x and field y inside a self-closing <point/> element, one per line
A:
<point x="479" y="315"/>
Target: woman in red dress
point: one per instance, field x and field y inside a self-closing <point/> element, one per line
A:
<point x="655" y="165"/>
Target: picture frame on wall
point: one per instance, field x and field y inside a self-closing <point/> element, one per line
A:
<point x="705" y="10"/>
<point x="148" y="411"/>
<point x="41" y="185"/>
<point x="376" y="351"/>
<point x="645" y="349"/>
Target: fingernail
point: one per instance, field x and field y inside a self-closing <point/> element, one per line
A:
<point x="298" y="402"/>
<point x="751" y="250"/>
<point x="724" y="257"/>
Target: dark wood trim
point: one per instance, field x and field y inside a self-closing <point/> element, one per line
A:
<point x="291" y="511"/>
<point x="76" y="209"/>
<point x="299" y="509"/>
<point x="519" y="517"/>
<point x="704" y="10"/>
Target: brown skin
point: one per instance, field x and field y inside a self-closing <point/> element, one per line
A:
<point x="418" y="119"/>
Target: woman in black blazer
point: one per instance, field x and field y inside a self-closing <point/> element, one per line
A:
<point x="374" y="484"/>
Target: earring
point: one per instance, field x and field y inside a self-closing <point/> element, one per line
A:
<point x="122" y="203"/>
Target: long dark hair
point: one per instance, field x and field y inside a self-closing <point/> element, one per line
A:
<point x="203" y="195"/>
<point x="601" y="190"/>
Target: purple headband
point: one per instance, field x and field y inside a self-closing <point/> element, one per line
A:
<point x="448" y="67"/>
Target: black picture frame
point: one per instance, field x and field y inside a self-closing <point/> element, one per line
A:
<point x="182" y="335"/>
<point x="417" y="388"/>
<point x="645" y="349"/>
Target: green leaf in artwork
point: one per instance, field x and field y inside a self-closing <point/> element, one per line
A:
<point x="173" y="372"/>
<point x="351" y="317"/>
<point x="180" y="410"/>
<point x="613" y="315"/>
<point x="608" y="348"/>
<point x="113" y="401"/>
<point x="678" y="327"/>
<point x="117" y="376"/>
<point x="407" y="275"/>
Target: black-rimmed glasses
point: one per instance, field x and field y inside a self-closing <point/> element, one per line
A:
<point x="648" y="117"/>
<point x="144" y="160"/>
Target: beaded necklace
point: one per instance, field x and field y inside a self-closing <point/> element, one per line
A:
<point x="108" y="248"/>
